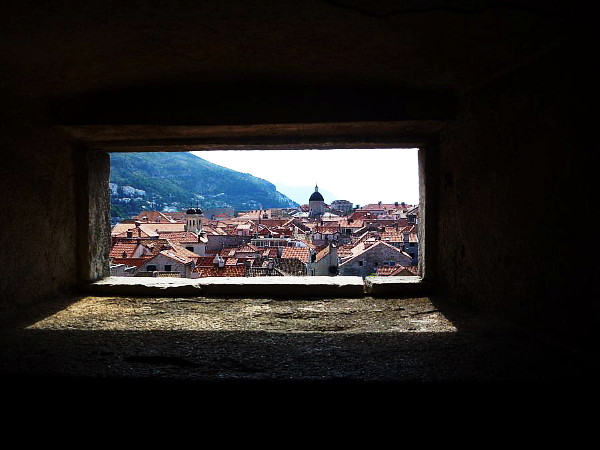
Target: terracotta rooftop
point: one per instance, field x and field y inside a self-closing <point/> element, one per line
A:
<point x="163" y="227"/>
<point x="226" y="271"/>
<point x="270" y="252"/>
<point x="153" y="229"/>
<point x="227" y="252"/>
<point x="322" y="253"/>
<point x="154" y="216"/>
<point x="352" y="223"/>
<point x="183" y="252"/>
<point x="213" y="230"/>
<point x="384" y="271"/>
<point x="135" y="262"/>
<point x="176" y="256"/>
<point x="120" y="230"/>
<point x="301" y="253"/>
<point x="183" y="237"/>
<point x="362" y="247"/>
<point x="205" y="261"/>
<point x="123" y="250"/>
<point x="155" y="245"/>
<point x="247" y="248"/>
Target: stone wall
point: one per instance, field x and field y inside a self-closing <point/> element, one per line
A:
<point x="515" y="199"/>
<point x="516" y="173"/>
<point x="38" y="207"/>
<point x="323" y="266"/>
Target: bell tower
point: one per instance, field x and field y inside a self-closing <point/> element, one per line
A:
<point x="193" y="220"/>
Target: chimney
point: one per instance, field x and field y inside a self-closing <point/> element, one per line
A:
<point x="218" y="261"/>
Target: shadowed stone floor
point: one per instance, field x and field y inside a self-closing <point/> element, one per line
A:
<point x="354" y="340"/>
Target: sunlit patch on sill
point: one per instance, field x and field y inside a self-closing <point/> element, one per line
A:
<point x="205" y="314"/>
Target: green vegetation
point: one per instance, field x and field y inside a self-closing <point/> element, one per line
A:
<point x="173" y="181"/>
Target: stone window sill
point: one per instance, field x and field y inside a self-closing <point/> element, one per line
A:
<point x="286" y="287"/>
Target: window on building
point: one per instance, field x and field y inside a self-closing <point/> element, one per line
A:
<point x="151" y="268"/>
<point x="167" y="267"/>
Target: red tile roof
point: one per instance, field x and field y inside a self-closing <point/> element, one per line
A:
<point x="345" y="251"/>
<point x="362" y="247"/>
<point x="247" y="248"/>
<point x="121" y="229"/>
<point x="177" y="256"/>
<point x="163" y="227"/>
<point x="180" y="236"/>
<point x="137" y="262"/>
<point x="397" y="270"/>
<point x="123" y="250"/>
<point x="226" y="271"/>
<point x="153" y="216"/>
<point x="301" y="253"/>
<point x="184" y="252"/>
<point x="323" y="253"/>
<point x="205" y="261"/>
<point x="270" y="252"/>
<point x="227" y="252"/>
<point x="213" y="230"/>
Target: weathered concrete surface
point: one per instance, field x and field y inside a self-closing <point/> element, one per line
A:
<point x="206" y="339"/>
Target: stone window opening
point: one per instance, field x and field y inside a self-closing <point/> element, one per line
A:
<point x="95" y="216"/>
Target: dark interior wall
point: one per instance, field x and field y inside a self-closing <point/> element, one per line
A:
<point x="37" y="219"/>
<point x="516" y="193"/>
<point x="516" y="170"/>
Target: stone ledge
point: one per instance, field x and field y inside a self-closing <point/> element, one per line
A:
<point x="288" y="287"/>
<point x="393" y="286"/>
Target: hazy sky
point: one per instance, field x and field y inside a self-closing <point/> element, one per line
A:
<point x="360" y="176"/>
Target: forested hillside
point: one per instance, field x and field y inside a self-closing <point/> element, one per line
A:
<point x="172" y="181"/>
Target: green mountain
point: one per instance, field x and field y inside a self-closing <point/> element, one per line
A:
<point x="171" y="181"/>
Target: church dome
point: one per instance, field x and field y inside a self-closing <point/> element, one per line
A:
<point x="316" y="197"/>
<point x="194" y="211"/>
